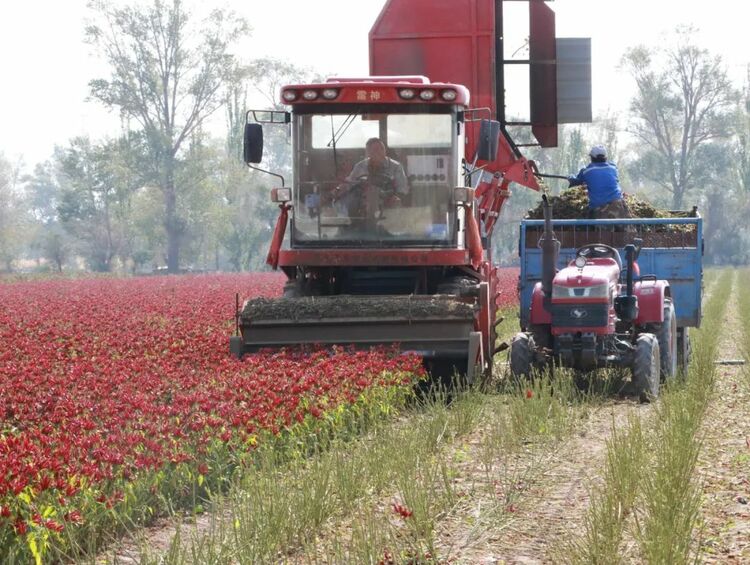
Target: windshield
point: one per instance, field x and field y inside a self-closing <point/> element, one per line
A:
<point x="375" y="177"/>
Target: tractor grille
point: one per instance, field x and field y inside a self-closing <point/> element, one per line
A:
<point x="580" y="315"/>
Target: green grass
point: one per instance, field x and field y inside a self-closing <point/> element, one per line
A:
<point x="301" y="506"/>
<point x="649" y="470"/>
<point x="743" y="291"/>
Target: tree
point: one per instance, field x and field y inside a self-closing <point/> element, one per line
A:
<point x="12" y="216"/>
<point x="42" y="192"/>
<point x="97" y="183"/>
<point x="166" y="76"/>
<point x="679" y="106"/>
<point x="742" y="127"/>
<point x="249" y="216"/>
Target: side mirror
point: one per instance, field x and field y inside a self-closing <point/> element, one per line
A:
<point x="253" y="144"/>
<point x="489" y="140"/>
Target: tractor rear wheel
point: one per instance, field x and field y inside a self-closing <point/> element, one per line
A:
<point x="646" y="367"/>
<point x="666" y="335"/>
<point x="684" y="350"/>
<point x="522" y="355"/>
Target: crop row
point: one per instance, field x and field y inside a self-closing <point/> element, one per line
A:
<point x="118" y="399"/>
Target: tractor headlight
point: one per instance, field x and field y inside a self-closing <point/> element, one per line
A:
<point x="596" y="291"/>
<point x="560" y="291"/>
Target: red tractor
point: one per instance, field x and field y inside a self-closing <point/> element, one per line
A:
<point x="593" y="314"/>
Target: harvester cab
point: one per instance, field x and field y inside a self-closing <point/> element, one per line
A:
<point x="384" y="243"/>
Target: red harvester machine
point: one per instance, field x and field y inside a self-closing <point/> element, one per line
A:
<point x="391" y="262"/>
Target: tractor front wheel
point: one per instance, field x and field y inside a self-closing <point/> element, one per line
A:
<point x="666" y="335"/>
<point x="522" y="355"/>
<point x="646" y="367"/>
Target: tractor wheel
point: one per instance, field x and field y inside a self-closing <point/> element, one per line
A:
<point x="646" y="367"/>
<point x="666" y="335"/>
<point x="522" y="355"/>
<point x="684" y="350"/>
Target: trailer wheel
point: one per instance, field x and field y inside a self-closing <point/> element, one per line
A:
<point x="666" y="335"/>
<point x="646" y="367"/>
<point x="684" y="350"/>
<point x="522" y="355"/>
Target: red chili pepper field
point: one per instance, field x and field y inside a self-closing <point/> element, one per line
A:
<point x="119" y="398"/>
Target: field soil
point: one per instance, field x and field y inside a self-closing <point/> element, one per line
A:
<point x="551" y="496"/>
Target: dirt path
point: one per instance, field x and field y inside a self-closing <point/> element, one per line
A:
<point x="724" y="465"/>
<point x="550" y="502"/>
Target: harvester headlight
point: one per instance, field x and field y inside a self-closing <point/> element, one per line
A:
<point x="281" y="194"/>
<point x="407" y="93"/>
<point x="427" y="94"/>
<point x="463" y="194"/>
<point x="448" y="95"/>
<point x="289" y="95"/>
<point x="310" y="94"/>
<point x="330" y="93"/>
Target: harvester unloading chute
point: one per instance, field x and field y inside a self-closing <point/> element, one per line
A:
<point x="460" y="42"/>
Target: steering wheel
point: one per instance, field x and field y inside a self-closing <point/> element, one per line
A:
<point x="382" y="193"/>
<point x="599" y="250"/>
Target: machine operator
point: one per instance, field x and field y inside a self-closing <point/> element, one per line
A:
<point x="603" y="186"/>
<point x="376" y="169"/>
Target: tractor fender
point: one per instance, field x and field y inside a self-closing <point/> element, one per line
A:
<point x="651" y="295"/>
<point x="539" y="314"/>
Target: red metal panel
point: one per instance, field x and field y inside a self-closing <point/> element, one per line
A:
<point x="445" y="40"/>
<point x="373" y="257"/>
<point x="650" y="301"/>
<point x="543" y="73"/>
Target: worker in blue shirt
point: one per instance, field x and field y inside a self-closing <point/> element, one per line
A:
<point x="603" y="186"/>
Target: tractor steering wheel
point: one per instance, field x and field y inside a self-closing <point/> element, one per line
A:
<point x="599" y="250"/>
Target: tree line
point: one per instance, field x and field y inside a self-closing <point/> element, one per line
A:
<point x="165" y="193"/>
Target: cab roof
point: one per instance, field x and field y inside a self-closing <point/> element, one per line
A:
<point x="376" y="90"/>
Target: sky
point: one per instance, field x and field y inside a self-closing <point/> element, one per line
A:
<point x="46" y="65"/>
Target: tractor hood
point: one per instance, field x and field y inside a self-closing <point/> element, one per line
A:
<point x="590" y="275"/>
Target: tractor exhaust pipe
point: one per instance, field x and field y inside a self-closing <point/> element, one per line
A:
<point x="630" y="259"/>
<point x="550" y="250"/>
<point x="626" y="306"/>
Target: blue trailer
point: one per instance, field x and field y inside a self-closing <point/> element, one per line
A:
<point x="669" y="254"/>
